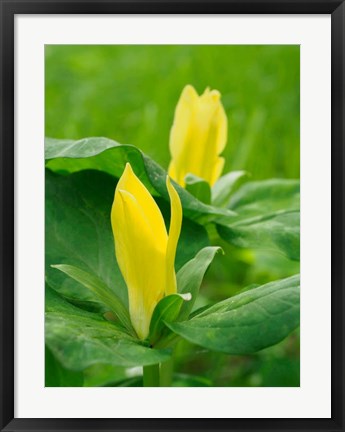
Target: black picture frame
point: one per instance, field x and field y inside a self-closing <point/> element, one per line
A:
<point x="8" y="10"/>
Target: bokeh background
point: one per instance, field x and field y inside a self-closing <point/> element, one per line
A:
<point x="129" y="93"/>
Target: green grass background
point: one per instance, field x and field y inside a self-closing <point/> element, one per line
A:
<point x="129" y="93"/>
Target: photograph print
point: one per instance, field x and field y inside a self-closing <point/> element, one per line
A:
<point x="172" y="209"/>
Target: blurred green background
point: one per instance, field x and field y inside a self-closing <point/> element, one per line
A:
<point x="129" y="93"/>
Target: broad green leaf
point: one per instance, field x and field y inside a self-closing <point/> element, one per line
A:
<point x="109" y="156"/>
<point x="276" y="231"/>
<point x="247" y="322"/>
<point x="166" y="311"/>
<point x="190" y="276"/>
<point x="262" y="197"/>
<point x="78" y="233"/>
<point x="56" y="375"/>
<point x="101" y="291"/>
<point x="223" y="188"/>
<point x="267" y="217"/>
<point x="198" y="188"/>
<point x="79" y="339"/>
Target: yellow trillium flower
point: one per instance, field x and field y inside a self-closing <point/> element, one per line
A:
<point x="198" y="136"/>
<point x="144" y="250"/>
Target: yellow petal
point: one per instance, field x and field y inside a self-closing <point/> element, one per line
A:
<point x="198" y="135"/>
<point x="172" y="171"/>
<point x="180" y="131"/>
<point x="174" y="234"/>
<point x="140" y="246"/>
<point x="130" y="183"/>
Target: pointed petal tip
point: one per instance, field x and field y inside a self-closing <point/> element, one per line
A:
<point x="189" y="92"/>
<point x="127" y="174"/>
<point x="215" y="94"/>
<point x="127" y="171"/>
<point x="211" y="95"/>
<point x="188" y="87"/>
<point x="128" y="167"/>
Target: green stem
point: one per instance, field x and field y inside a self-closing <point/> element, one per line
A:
<point x="166" y="372"/>
<point x="151" y="375"/>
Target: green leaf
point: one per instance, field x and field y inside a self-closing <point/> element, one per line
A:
<point x="247" y="322"/>
<point x="223" y="188"/>
<point x="266" y="197"/>
<point x="267" y="217"/>
<point x="79" y="339"/>
<point x="276" y="231"/>
<point x="198" y="188"/>
<point x="56" y="375"/>
<point x="190" y="276"/>
<point x="78" y="232"/>
<point x="109" y="156"/>
<point x="101" y="291"/>
<point x="166" y="311"/>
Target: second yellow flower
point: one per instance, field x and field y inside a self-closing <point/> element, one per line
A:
<point x="198" y="136"/>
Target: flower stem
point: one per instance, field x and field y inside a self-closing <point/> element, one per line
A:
<point x="166" y="372"/>
<point x="151" y="375"/>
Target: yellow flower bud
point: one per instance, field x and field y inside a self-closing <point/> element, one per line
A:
<point x="144" y="251"/>
<point x="198" y="136"/>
